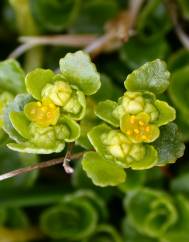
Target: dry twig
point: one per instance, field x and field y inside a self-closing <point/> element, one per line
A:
<point x="41" y="165"/>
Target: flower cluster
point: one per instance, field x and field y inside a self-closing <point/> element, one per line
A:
<point x="132" y="125"/>
<point x="47" y="118"/>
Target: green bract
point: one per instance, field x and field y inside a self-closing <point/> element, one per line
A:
<point x="11" y="83"/>
<point x="133" y="137"/>
<point x="44" y="120"/>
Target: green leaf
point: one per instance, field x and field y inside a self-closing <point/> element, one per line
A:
<point x="74" y="128"/>
<point x="178" y="89"/>
<point x="178" y="60"/>
<point x="169" y="145"/>
<point x="149" y="160"/>
<point x="179" y="232"/>
<point x="166" y="113"/>
<point x="184" y="6"/>
<point x="104" y="111"/>
<point x="71" y="219"/>
<point x="180" y="183"/>
<point x="151" y="212"/>
<point x="87" y="21"/>
<point x="135" y="180"/>
<point x="102" y="172"/>
<point x="11" y="77"/>
<point x="132" y="235"/>
<point x="104" y="232"/>
<point x="36" y="80"/>
<point x="156" y="12"/>
<point x="31" y="148"/>
<point x="11" y="160"/>
<point x="94" y="136"/>
<point x="136" y="52"/>
<point x="16" y="106"/>
<point x="77" y="69"/>
<point x="152" y="76"/>
<point x="20" y="123"/>
<point x="55" y="15"/>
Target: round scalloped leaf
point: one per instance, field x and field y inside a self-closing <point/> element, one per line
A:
<point x="30" y="148"/>
<point x="94" y="136"/>
<point x="178" y="89"/>
<point x="55" y="15"/>
<point x="11" y="76"/>
<point x="16" y="106"/>
<point x="166" y="113"/>
<point x="20" y="123"/>
<point x="104" y="232"/>
<point x="78" y="70"/>
<point x="74" y="128"/>
<point x="36" y="80"/>
<point x="149" y="160"/>
<point x="169" y="145"/>
<point x="152" y="76"/>
<point x="73" y="219"/>
<point x="151" y="212"/>
<point x="104" y="111"/>
<point x="102" y="172"/>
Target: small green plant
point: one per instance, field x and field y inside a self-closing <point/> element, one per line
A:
<point x="133" y="132"/>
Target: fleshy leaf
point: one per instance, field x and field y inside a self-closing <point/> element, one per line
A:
<point x="149" y="160"/>
<point x="74" y="128"/>
<point x="178" y="89"/>
<point x="11" y="76"/>
<point x="36" y="80"/>
<point x="152" y="76"/>
<point x="16" y="106"/>
<point x="74" y="218"/>
<point x="169" y="145"/>
<point x="102" y="172"/>
<point x="151" y="212"/>
<point x="55" y="15"/>
<point x="94" y="137"/>
<point x="20" y="123"/>
<point x="166" y="113"/>
<point x="30" y="148"/>
<point x="77" y="69"/>
<point x="104" y="111"/>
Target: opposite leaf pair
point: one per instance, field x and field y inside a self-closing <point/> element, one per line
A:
<point x="44" y="120"/>
<point x="132" y="137"/>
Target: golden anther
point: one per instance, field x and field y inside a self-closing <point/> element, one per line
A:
<point x="33" y="111"/>
<point x="49" y="114"/>
<point x="132" y="119"/>
<point x="141" y="123"/>
<point x="38" y="104"/>
<point x="129" y="132"/>
<point x="136" y="131"/>
<point x="147" y="128"/>
<point x="44" y="109"/>
<point x="144" y="137"/>
<point x="51" y="105"/>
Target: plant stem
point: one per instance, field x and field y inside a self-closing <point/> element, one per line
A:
<point x="41" y="165"/>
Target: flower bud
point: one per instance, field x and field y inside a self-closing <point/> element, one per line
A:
<point x="59" y="92"/>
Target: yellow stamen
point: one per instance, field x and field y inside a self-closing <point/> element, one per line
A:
<point x="141" y="123"/>
<point x="147" y="128"/>
<point x="132" y="119"/>
<point x="136" y="131"/>
<point x="144" y="137"/>
<point x="129" y="132"/>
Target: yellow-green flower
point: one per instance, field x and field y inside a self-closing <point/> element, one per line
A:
<point x="43" y="113"/>
<point x="138" y="128"/>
